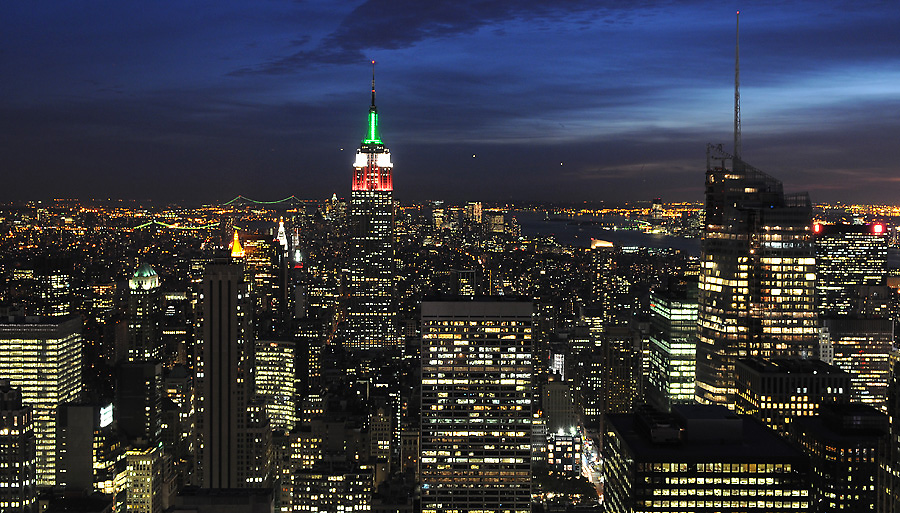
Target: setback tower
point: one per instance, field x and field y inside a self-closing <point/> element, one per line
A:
<point x="370" y="299"/>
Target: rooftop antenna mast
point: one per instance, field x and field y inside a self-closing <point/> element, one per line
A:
<point x="737" y="89"/>
<point x="373" y="83"/>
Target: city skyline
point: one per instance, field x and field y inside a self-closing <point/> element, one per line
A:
<point x="555" y="101"/>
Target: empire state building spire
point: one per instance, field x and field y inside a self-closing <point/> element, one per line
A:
<point x="372" y="137"/>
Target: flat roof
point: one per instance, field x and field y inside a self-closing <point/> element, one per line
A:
<point x="759" y="444"/>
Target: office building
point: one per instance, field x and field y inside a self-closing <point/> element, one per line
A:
<point x="17" y="452"/>
<point x="779" y="390"/>
<point x="842" y="443"/>
<point x="476" y="406"/>
<point x="757" y="274"/>
<point x="144" y="316"/>
<point x="139" y="401"/>
<point x="371" y="309"/>
<point x="850" y="258"/>
<point x="91" y="452"/>
<point x="225" y="381"/>
<point x="144" y="480"/>
<point x="620" y="368"/>
<point x="42" y="357"/>
<point x="700" y="458"/>
<point x="862" y="347"/>
<point x="673" y="347"/>
<point x="888" y="485"/>
<point x="277" y="381"/>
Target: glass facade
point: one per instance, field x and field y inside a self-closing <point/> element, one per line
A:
<point x="757" y="274"/>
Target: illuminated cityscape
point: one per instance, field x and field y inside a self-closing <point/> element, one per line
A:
<point x="547" y="312"/>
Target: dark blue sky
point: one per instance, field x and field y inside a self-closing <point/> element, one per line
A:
<point x="200" y="101"/>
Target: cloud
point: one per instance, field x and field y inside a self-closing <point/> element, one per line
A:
<point x="399" y="24"/>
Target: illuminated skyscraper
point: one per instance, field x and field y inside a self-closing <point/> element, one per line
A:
<point x="476" y="406"/>
<point x="371" y="313"/>
<point x="43" y="358"/>
<point x="17" y="490"/>
<point x="144" y="480"/>
<point x="144" y="305"/>
<point x="673" y="347"/>
<point x="757" y="274"/>
<point x="277" y="378"/>
<point x="851" y="258"/>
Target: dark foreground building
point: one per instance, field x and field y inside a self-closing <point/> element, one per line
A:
<point x="700" y="458"/>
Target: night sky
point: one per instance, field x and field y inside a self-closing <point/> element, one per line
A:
<point x="558" y="100"/>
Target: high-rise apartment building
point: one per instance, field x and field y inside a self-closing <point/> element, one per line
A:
<point x="673" y="347"/>
<point x="91" y="452"/>
<point x="757" y="274"/>
<point x="42" y="357"/>
<point x="476" y="406"/>
<point x="854" y="304"/>
<point x="862" y="347"/>
<point x="17" y="456"/>
<point x="371" y="312"/>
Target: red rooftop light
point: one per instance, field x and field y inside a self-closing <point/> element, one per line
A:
<point x="877" y="229"/>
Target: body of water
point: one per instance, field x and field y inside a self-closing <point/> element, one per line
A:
<point x="580" y="233"/>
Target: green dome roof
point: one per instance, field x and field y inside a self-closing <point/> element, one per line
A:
<point x="144" y="271"/>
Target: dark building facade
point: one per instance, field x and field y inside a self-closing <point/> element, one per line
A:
<point x="700" y="458"/>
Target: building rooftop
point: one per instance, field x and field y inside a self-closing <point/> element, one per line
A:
<point x="789" y="366"/>
<point x="743" y="439"/>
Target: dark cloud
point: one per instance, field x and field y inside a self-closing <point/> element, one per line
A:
<point x="398" y="24"/>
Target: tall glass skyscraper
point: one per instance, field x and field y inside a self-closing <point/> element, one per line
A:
<point x="371" y="313"/>
<point x="673" y="347"/>
<point x="757" y="274"/>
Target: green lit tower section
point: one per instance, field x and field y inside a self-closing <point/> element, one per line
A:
<point x="371" y="315"/>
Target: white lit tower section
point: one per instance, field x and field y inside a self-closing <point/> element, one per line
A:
<point x="370" y="300"/>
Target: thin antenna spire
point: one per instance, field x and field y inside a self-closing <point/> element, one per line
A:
<point x="373" y="83"/>
<point x="737" y="88"/>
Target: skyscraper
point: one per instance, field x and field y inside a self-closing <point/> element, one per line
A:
<point x="851" y="258"/>
<point x="757" y="274"/>
<point x="371" y="314"/>
<point x="757" y="268"/>
<point x="673" y="347"/>
<point x="225" y="382"/>
<point x="17" y="490"/>
<point x="144" y="315"/>
<point x="476" y="406"/>
<point x="43" y="358"/>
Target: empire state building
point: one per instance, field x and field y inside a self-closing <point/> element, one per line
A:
<point x="371" y="314"/>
